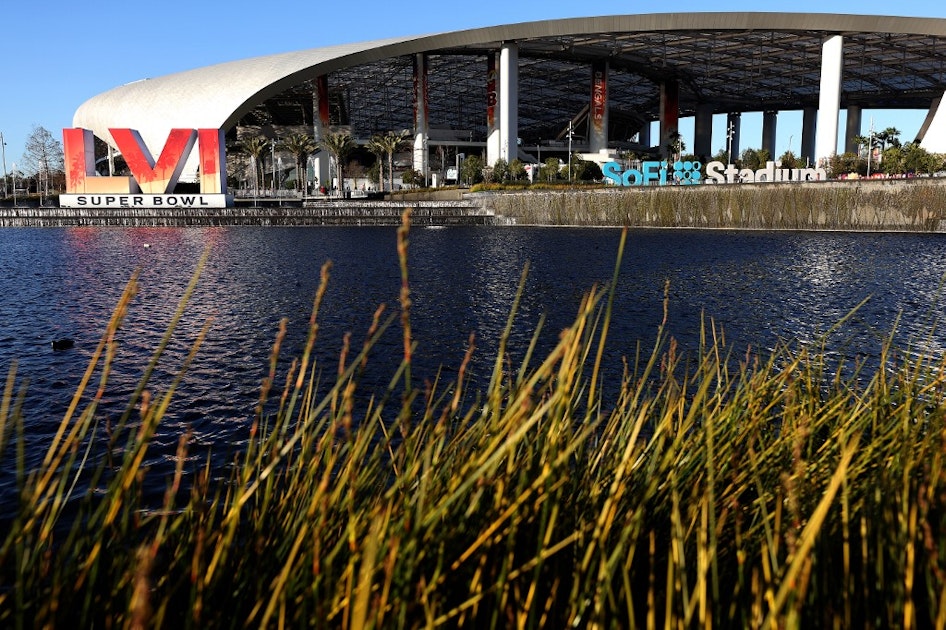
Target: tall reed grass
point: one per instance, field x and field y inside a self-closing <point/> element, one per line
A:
<point x="712" y="491"/>
<point x="915" y="206"/>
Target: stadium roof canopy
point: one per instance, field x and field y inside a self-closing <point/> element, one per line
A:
<point x="733" y="62"/>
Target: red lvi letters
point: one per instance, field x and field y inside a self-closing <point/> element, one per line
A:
<point x="147" y="176"/>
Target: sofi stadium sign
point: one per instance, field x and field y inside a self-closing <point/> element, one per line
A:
<point x="152" y="182"/>
<point x="688" y="172"/>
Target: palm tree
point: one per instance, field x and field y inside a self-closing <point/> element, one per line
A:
<point x="300" y="145"/>
<point x="890" y="136"/>
<point x="377" y="147"/>
<point x="254" y="146"/>
<point x="339" y="145"/>
<point x="675" y="144"/>
<point x="391" y="142"/>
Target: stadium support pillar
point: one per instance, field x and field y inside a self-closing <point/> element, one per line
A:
<point x="643" y="136"/>
<point x="809" y="124"/>
<point x="769" y="123"/>
<point x="320" y="125"/>
<point x="509" y="101"/>
<point x="669" y="113"/>
<point x="829" y="98"/>
<point x="492" y="104"/>
<point x="852" y="128"/>
<point x="421" y="106"/>
<point x="733" y="123"/>
<point x="932" y="134"/>
<point x="598" y="133"/>
<point x="703" y="131"/>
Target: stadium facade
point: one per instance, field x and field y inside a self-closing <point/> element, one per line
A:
<point x="532" y="90"/>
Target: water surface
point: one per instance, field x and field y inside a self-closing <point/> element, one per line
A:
<point x="758" y="287"/>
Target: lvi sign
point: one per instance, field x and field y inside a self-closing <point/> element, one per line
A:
<point x="152" y="181"/>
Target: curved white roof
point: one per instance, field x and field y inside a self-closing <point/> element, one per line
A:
<point x="742" y="47"/>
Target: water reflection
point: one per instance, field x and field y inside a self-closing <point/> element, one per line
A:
<point x="757" y="287"/>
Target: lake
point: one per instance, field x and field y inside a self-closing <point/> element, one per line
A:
<point x="758" y="287"/>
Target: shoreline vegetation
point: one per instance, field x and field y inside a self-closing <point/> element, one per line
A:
<point x="872" y="205"/>
<point x="760" y="491"/>
<point x="916" y="205"/>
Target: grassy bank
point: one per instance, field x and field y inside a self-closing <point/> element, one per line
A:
<point x="915" y="205"/>
<point x="758" y="491"/>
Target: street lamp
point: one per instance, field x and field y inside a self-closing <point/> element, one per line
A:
<point x="3" y="149"/>
<point x="279" y="163"/>
<point x="570" y="133"/>
<point x="729" y="134"/>
<point x="14" y="184"/>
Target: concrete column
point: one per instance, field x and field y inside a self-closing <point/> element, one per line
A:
<point x="598" y="129"/>
<point x="932" y="133"/>
<point x="703" y="131"/>
<point x="829" y="98"/>
<point x="320" y="125"/>
<point x="492" y="107"/>
<point x="509" y="102"/>
<point x="769" y="123"/>
<point x="931" y="115"/>
<point x="421" y="106"/>
<point x="809" y="125"/>
<point x="643" y="136"/>
<point x="669" y="112"/>
<point x="853" y="128"/>
<point x="733" y="124"/>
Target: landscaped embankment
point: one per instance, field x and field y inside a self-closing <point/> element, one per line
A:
<point x="345" y="213"/>
<point x="909" y="205"/>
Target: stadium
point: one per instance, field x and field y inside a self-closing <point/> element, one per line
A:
<point x="599" y="86"/>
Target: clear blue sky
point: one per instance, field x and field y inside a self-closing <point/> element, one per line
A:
<point x="57" y="54"/>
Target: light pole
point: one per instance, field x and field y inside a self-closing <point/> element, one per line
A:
<point x="14" y="184"/>
<point x="272" y="164"/>
<point x="279" y="162"/>
<point x="569" y="151"/>
<point x="3" y="149"/>
<point x="729" y="135"/>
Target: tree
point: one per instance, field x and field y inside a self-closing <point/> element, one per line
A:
<point x="376" y="146"/>
<point x="300" y="145"/>
<point x="43" y="158"/>
<point x="754" y="158"/>
<point x="721" y="156"/>
<point x="517" y="170"/>
<point x="889" y="136"/>
<point x="586" y="171"/>
<point x="254" y="147"/>
<point x="917" y="159"/>
<point x="790" y="160"/>
<point x="550" y="170"/>
<point x="675" y="144"/>
<point x="846" y="164"/>
<point x="471" y="171"/>
<point x="339" y="145"/>
<point x="500" y="171"/>
<point x="411" y="176"/>
<point x="389" y="144"/>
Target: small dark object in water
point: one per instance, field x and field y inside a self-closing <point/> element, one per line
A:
<point x="63" y="344"/>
